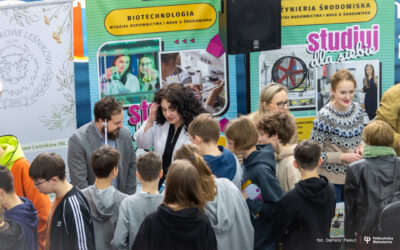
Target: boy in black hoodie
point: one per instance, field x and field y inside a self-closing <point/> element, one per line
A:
<point x="302" y="218"/>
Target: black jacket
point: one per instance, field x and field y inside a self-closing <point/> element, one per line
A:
<point x="368" y="182"/>
<point x="305" y="213"/>
<point x="176" y="230"/>
<point x="71" y="226"/>
<point x="259" y="168"/>
<point x="12" y="237"/>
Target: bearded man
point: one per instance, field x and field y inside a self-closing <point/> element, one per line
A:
<point x="106" y="129"/>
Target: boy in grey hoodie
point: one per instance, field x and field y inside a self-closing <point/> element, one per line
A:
<point x="104" y="200"/>
<point x="136" y="207"/>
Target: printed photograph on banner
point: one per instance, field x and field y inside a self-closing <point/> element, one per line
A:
<point x="290" y="66"/>
<point x="200" y="71"/>
<point x="129" y="70"/>
<point x="367" y="75"/>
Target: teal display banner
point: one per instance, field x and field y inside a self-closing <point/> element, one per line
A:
<point x="137" y="47"/>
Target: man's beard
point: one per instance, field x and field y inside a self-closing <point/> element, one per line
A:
<point x="112" y="135"/>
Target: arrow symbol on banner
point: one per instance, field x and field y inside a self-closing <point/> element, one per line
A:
<point x="177" y="41"/>
<point x="192" y="40"/>
<point x="185" y="40"/>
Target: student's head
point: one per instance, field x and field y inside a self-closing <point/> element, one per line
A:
<point x="307" y="155"/>
<point x="111" y="110"/>
<point x="149" y="167"/>
<point x="191" y="153"/>
<point x="183" y="186"/>
<point x="273" y="97"/>
<point x="204" y="129"/>
<point x="46" y="170"/>
<point x="178" y="105"/>
<point x="343" y="88"/>
<point x="6" y="180"/>
<point x="146" y="63"/>
<point x="378" y="133"/>
<point x="6" y="187"/>
<point x="369" y="72"/>
<point x="104" y="162"/>
<point x="241" y="134"/>
<point x="275" y="127"/>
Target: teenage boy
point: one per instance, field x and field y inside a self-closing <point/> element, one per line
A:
<point x="302" y="218"/>
<point x="12" y="156"/>
<point x="18" y="227"/>
<point x="70" y="225"/>
<point x="260" y="187"/>
<point x="137" y="207"/>
<point x="104" y="199"/>
<point x="204" y="133"/>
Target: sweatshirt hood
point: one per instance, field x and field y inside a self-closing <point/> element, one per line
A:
<point x="12" y="150"/>
<point x="223" y="165"/>
<point x="289" y="151"/>
<point x="104" y="203"/>
<point x="315" y="190"/>
<point x="185" y="224"/>
<point x="25" y="215"/>
<point x="221" y="210"/>
<point x="263" y="155"/>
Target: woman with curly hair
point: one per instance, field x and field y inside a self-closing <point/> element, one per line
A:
<point x="173" y="109"/>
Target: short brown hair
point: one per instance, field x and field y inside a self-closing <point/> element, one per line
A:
<point x="104" y="160"/>
<point x="107" y="107"/>
<point x="242" y="132"/>
<point x="205" y="127"/>
<point x="6" y="180"/>
<point x="191" y="153"/>
<point x="183" y="186"/>
<point x="46" y="166"/>
<point x="378" y="133"/>
<point x="307" y="154"/>
<point x="277" y="123"/>
<point x="149" y="166"/>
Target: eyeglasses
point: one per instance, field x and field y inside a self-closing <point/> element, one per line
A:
<point x="37" y="184"/>
<point x="282" y="104"/>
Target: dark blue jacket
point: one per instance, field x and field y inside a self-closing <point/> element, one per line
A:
<point x="259" y="168"/>
<point x="222" y="166"/>
<point x="25" y="216"/>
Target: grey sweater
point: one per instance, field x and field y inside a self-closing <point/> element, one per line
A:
<point x="230" y="218"/>
<point x="104" y="206"/>
<point x="132" y="213"/>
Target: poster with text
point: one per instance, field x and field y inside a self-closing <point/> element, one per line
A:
<point x="137" y="47"/>
<point x="37" y="104"/>
<point x="320" y="38"/>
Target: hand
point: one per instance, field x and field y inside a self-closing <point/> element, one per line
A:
<point x="109" y="72"/>
<point x="194" y="87"/>
<point x="244" y="195"/>
<point x="350" y="157"/>
<point x="360" y="150"/>
<point x="214" y="93"/>
<point x="153" y="112"/>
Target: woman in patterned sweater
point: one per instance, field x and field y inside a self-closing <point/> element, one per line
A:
<point x="338" y="130"/>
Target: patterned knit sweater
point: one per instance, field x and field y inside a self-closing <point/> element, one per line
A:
<point x="337" y="132"/>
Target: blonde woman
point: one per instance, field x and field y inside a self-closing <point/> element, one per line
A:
<point x="274" y="98"/>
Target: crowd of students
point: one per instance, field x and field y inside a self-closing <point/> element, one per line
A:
<point x="196" y="195"/>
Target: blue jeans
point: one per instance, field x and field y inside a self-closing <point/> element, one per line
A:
<point x="339" y="192"/>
